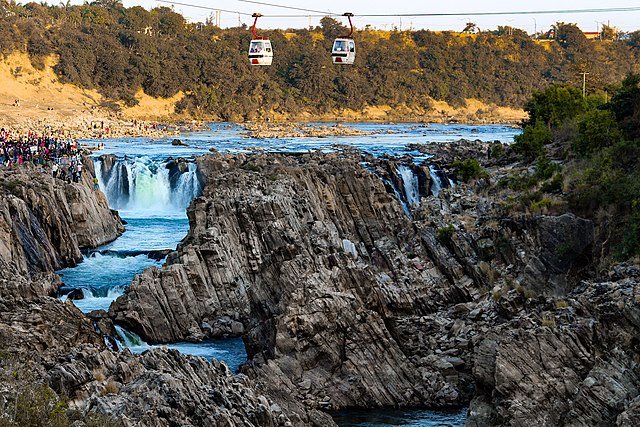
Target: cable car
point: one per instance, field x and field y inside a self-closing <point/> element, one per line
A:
<point x="344" y="48"/>
<point x="260" y="50"/>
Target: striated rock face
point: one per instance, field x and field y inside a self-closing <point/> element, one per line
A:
<point x="45" y="222"/>
<point x="317" y="264"/>
<point x="574" y="366"/>
<point x="58" y="345"/>
<point x="345" y="301"/>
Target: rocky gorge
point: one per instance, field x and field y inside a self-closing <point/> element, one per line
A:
<point x="348" y="294"/>
<point x="345" y="301"/>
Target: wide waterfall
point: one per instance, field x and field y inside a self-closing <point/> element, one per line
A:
<point x="411" y="185"/>
<point x="145" y="185"/>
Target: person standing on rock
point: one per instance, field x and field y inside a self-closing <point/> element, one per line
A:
<point x="54" y="170"/>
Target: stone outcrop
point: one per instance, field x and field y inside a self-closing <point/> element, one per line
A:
<point x="345" y="300"/>
<point x="314" y="260"/>
<point x="577" y="365"/>
<point x="57" y="345"/>
<point x="45" y="222"/>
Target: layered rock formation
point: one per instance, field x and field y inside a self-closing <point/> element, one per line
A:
<point x="51" y="353"/>
<point x="57" y="345"/>
<point x="345" y="301"/>
<point x="312" y="258"/>
<point x="45" y="222"/>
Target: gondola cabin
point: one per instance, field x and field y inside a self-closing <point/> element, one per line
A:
<point x="343" y="51"/>
<point x="260" y="52"/>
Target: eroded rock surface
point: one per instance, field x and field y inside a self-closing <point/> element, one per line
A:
<point x="45" y="222"/>
<point x="345" y="300"/>
<point x="56" y="344"/>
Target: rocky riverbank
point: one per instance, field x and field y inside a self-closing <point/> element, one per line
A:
<point x="352" y="285"/>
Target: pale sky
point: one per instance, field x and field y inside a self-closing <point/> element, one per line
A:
<point x="626" y="21"/>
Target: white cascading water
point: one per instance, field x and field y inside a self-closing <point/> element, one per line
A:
<point x="411" y="185"/>
<point x="396" y="192"/>
<point x="144" y="185"/>
<point x="131" y="340"/>
<point x="436" y="184"/>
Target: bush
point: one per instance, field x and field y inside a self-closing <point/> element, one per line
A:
<point x="497" y="151"/>
<point x="545" y="168"/>
<point x="541" y="205"/>
<point x="518" y="182"/>
<point x="530" y="143"/>
<point x="554" y="185"/>
<point x="469" y="169"/>
<point x="445" y="234"/>
<point x="629" y="245"/>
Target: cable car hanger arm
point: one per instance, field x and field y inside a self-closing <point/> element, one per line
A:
<point x="349" y="15"/>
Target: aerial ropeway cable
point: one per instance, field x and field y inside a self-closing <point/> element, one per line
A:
<point x="316" y="13"/>
<point x="343" y="50"/>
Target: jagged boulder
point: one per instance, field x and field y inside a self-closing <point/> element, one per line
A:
<point x="565" y="245"/>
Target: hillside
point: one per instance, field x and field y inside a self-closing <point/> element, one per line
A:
<point x="124" y="53"/>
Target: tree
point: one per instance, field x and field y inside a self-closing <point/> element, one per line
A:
<point x="570" y="36"/>
<point x="608" y="33"/>
<point x="554" y="105"/>
<point x="332" y="29"/>
<point x="625" y="105"/>
<point x="470" y="27"/>
<point x="597" y="129"/>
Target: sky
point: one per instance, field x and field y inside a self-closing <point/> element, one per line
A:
<point x="626" y="21"/>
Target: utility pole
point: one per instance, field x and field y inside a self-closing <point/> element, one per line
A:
<point x="584" y="84"/>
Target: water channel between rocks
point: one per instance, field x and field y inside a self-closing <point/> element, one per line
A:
<point x="152" y="198"/>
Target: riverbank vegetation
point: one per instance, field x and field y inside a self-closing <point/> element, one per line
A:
<point x="598" y="143"/>
<point x="118" y="51"/>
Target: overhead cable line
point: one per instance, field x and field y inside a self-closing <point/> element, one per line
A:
<point x="285" y="7"/>
<point x="203" y="7"/>
<point x="523" y="12"/>
<point x="411" y="15"/>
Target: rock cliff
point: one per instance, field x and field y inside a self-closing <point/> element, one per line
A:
<point x="344" y="299"/>
<point x="45" y="222"/>
<point x="52" y="343"/>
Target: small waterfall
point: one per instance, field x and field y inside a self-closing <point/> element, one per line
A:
<point x="143" y="184"/>
<point x="411" y="185"/>
<point x="130" y="340"/>
<point x="187" y="186"/>
<point x="439" y="180"/>
<point x="396" y="192"/>
<point x="436" y="184"/>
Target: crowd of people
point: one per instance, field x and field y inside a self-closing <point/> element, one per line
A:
<point x="60" y="154"/>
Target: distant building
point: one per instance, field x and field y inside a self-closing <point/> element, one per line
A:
<point x="591" y="35"/>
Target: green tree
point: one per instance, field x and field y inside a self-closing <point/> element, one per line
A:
<point x="530" y="143"/>
<point x="554" y="105"/>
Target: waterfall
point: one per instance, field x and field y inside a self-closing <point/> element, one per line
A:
<point x="130" y="340"/>
<point x="411" y="185"/>
<point x="396" y="192"/>
<point x="436" y="184"/>
<point x="143" y="184"/>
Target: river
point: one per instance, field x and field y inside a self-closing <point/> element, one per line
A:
<point x="152" y="199"/>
